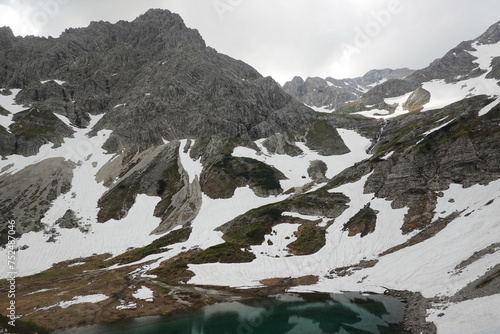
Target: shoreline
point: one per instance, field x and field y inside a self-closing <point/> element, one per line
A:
<point x="251" y="296"/>
<point x="176" y="300"/>
<point x="39" y="296"/>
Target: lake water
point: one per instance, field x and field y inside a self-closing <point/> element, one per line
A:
<point x="289" y="313"/>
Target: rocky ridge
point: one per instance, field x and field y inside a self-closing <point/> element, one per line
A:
<point x="331" y="93"/>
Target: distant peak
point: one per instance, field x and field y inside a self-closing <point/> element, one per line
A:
<point x="156" y="14"/>
<point x="491" y="35"/>
<point x="6" y="31"/>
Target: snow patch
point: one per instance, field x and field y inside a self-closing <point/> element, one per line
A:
<point x="129" y="306"/>
<point x="324" y="109"/>
<point x="59" y="82"/>
<point x="83" y="299"/>
<point x="276" y="243"/>
<point x="192" y="167"/>
<point x="8" y="103"/>
<point x="479" y="316"/>
<point x="489" y="107"/>
<point x="40" y="291"/>
<point x="144" y="293"/>
<point x="78" y="300"/>
<point x="76" y="264"/>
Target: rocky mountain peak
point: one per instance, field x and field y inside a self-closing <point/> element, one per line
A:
<point x="5" y="32"/>
<point x="153" y="71"/>
<point x="491" y="36"/>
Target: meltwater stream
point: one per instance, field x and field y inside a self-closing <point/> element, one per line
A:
<point x="288" y="313"/>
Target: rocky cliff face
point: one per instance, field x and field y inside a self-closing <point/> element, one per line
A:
<point x="151" y="71"/>
<point x="153" y="80"/>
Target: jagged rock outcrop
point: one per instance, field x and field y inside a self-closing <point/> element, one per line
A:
<point x="417" y="99"/>
<point x="282" y="143"/>
<point x="363" y="223"/>
<point x="69" y="220"/>
<point x="317" y="170"/>
<point x="325" y="139"/>
<point x="457" y="64"/>
<point x="115" y="69"/>
<point x="495" y="71"/>
<point x="184" y="206"/>
<point x="221" y="179"/>
<point x="27" y="195"/>
<point x="423" y="165"/>
<point x="154" y="172"/>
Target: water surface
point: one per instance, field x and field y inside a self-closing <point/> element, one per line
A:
<point x="289" y="313"/>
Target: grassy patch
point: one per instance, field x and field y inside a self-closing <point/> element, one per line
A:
<point x="223" y="253"/>
<point x="176" y="270"/>
<point x="310" y="239"/>
<point x="33" y="123"/>
<point x="155" y="247"/>
<point x="256" y="172"/>
<point x="363" y="222"/>
<point x="252" y="233"/>
<point x="63" y="269"/>
<point x="251" y="227"/>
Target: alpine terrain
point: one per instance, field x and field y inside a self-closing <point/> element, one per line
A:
<point x="144" y="173"/>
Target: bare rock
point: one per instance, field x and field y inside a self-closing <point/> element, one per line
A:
<point x="417" y="100"/>
<point x="317" y="170"/>
<point x="69" y="220"/>
<point x="27" y="195"/>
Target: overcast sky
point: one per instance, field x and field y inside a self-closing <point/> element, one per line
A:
<point x="284" y="38"/>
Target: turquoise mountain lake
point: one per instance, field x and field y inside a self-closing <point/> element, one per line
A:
<point x="289" y="313"/>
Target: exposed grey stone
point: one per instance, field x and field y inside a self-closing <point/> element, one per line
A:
<point x="28" y="194"/>
<point x="282" y="143"/>
<point x="69" y="220"/>
<point x="417" y="100"/>
<point x="317" y="170"/>
<point x="495" y="70"/>
<point x="116" y="69"/>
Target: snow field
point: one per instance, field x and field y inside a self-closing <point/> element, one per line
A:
<point x="340" y="250"/>
<point x="295" y="168"/>
<point x="429" y="267"/>
<point x="476" y="316"/>
<point x="113" y="237"/>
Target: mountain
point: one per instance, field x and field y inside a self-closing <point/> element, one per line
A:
<point x="329" y="93"/>
<point x="142" y="173"/>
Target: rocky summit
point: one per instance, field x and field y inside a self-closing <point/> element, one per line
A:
<point x="138" y="161"/>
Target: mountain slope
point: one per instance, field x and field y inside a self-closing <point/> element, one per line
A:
<point x="161" y="161"/>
